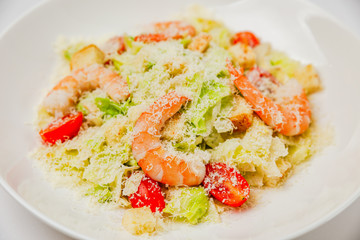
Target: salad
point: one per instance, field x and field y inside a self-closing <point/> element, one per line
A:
<point x="178" y="123"/>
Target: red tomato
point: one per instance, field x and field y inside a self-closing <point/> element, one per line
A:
<point x="148" y="195"/>
<point x="226" y="184"/>
<point x="247" y="38"/>
<point x="150" y="37"/>
<point x="62" y="129"/>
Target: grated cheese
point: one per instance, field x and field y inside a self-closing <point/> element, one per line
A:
<point x="214" y="124"/>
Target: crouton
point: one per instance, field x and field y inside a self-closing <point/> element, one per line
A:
<point x="308" y="78"/>
<point x="242" y="114"/>
<point x="243" y="55"/>
<point x="86" y="56"/>
<point x="284" y="167"/>
<point x="139" y="221"/>
<point x="200" y="43"/>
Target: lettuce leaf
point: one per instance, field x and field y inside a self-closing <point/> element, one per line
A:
<point x="132" y="46"/>
<point x="111" y="108"/>
<point x="191" y="205"/>
<point x="207" y="105"/>
<point x="68" y="52"/>
<point x="102" y="193"/>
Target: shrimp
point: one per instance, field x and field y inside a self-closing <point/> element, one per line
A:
<point x="262" y="80"/>
<point x="290" y="114"/>
<point x="175" y="29"/>
<point x="66" y="92"/>
<point x="151" y="156"/>
<point x="167" y="30"/>
<point x="114" y="45"/>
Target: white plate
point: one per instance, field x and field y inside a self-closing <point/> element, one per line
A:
<point x="324" y="187"/>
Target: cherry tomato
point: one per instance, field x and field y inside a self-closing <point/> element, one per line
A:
<point x="150" y="37"/>
<point x="247" y="38"/>
<point x="226" y="184"/>
<point x="148" y="195"/>
<point x="62" y="129"/>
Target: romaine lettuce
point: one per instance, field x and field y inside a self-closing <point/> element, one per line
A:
<point x="191" y="205"/>
<point x="207" y="105"/>
<point x="111" y="108"/>
<point x="102" y="193"/>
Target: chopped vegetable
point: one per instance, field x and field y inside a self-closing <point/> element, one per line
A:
<point x="69" y="52"/>
<point x="210" y="94"/>
<point x="111" y="108"/>
<point x="102" y="193"/>
<point x="247" y="38"/>
<point x="148" y="195"/>
<point x="191" y="204"/>
<point x="221" y="36"/>
<point x="62" y="129"/>
<point x="226" y="184"/>
<point x="117" y="64"/>
<point x="185" y="119"/>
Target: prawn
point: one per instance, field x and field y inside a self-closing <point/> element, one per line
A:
<point x="151" y="156"/>
<point x="167" y="30"/>
<point x="290" y="114"/>
<point x="114" y="45"/>
<point x="68" y="90"/>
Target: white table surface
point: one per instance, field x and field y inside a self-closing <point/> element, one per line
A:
<point x="17" y="223"/>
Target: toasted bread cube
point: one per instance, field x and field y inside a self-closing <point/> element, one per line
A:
<point x="139" y="221"/>
<point x="243" y="55"/>
<point x="284" y="167"/>
<point x="242" y="114"/>
<point x="255" y="179"/>
<point x="200" y="43"/>
<point x="308" y="78"/>
<point x="88" y="55"/>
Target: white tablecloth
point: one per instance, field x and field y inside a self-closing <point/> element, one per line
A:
<point x="16" y="223"/>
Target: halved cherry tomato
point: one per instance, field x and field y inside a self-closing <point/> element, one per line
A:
<point x="148" y="195"/>
<point x="62" y="129"/>
<point x="226" y="184"/>
<point x="247" y="38"/>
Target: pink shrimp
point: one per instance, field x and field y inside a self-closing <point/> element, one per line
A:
<point x="175" y="29"/>
<point x="67" y="91"/>
<point x="167" y="30"/>
<point x="151" y="156"/>
<point x="291" y="116"/>
<point x="114" y="45"/>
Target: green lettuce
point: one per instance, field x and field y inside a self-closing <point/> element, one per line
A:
<point x="208" y="105"/>
<point x="81" y="108"/>
<point x="221" y="36"/>
<point x="132" y="46"/>
<point x="69" y="52"/>
<point x="191" y="205"/>
<point x="111" y="108"/>
<point x="105" y="166"/>
<point x="102" y="193"/>
<point x="117" y="64"/>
